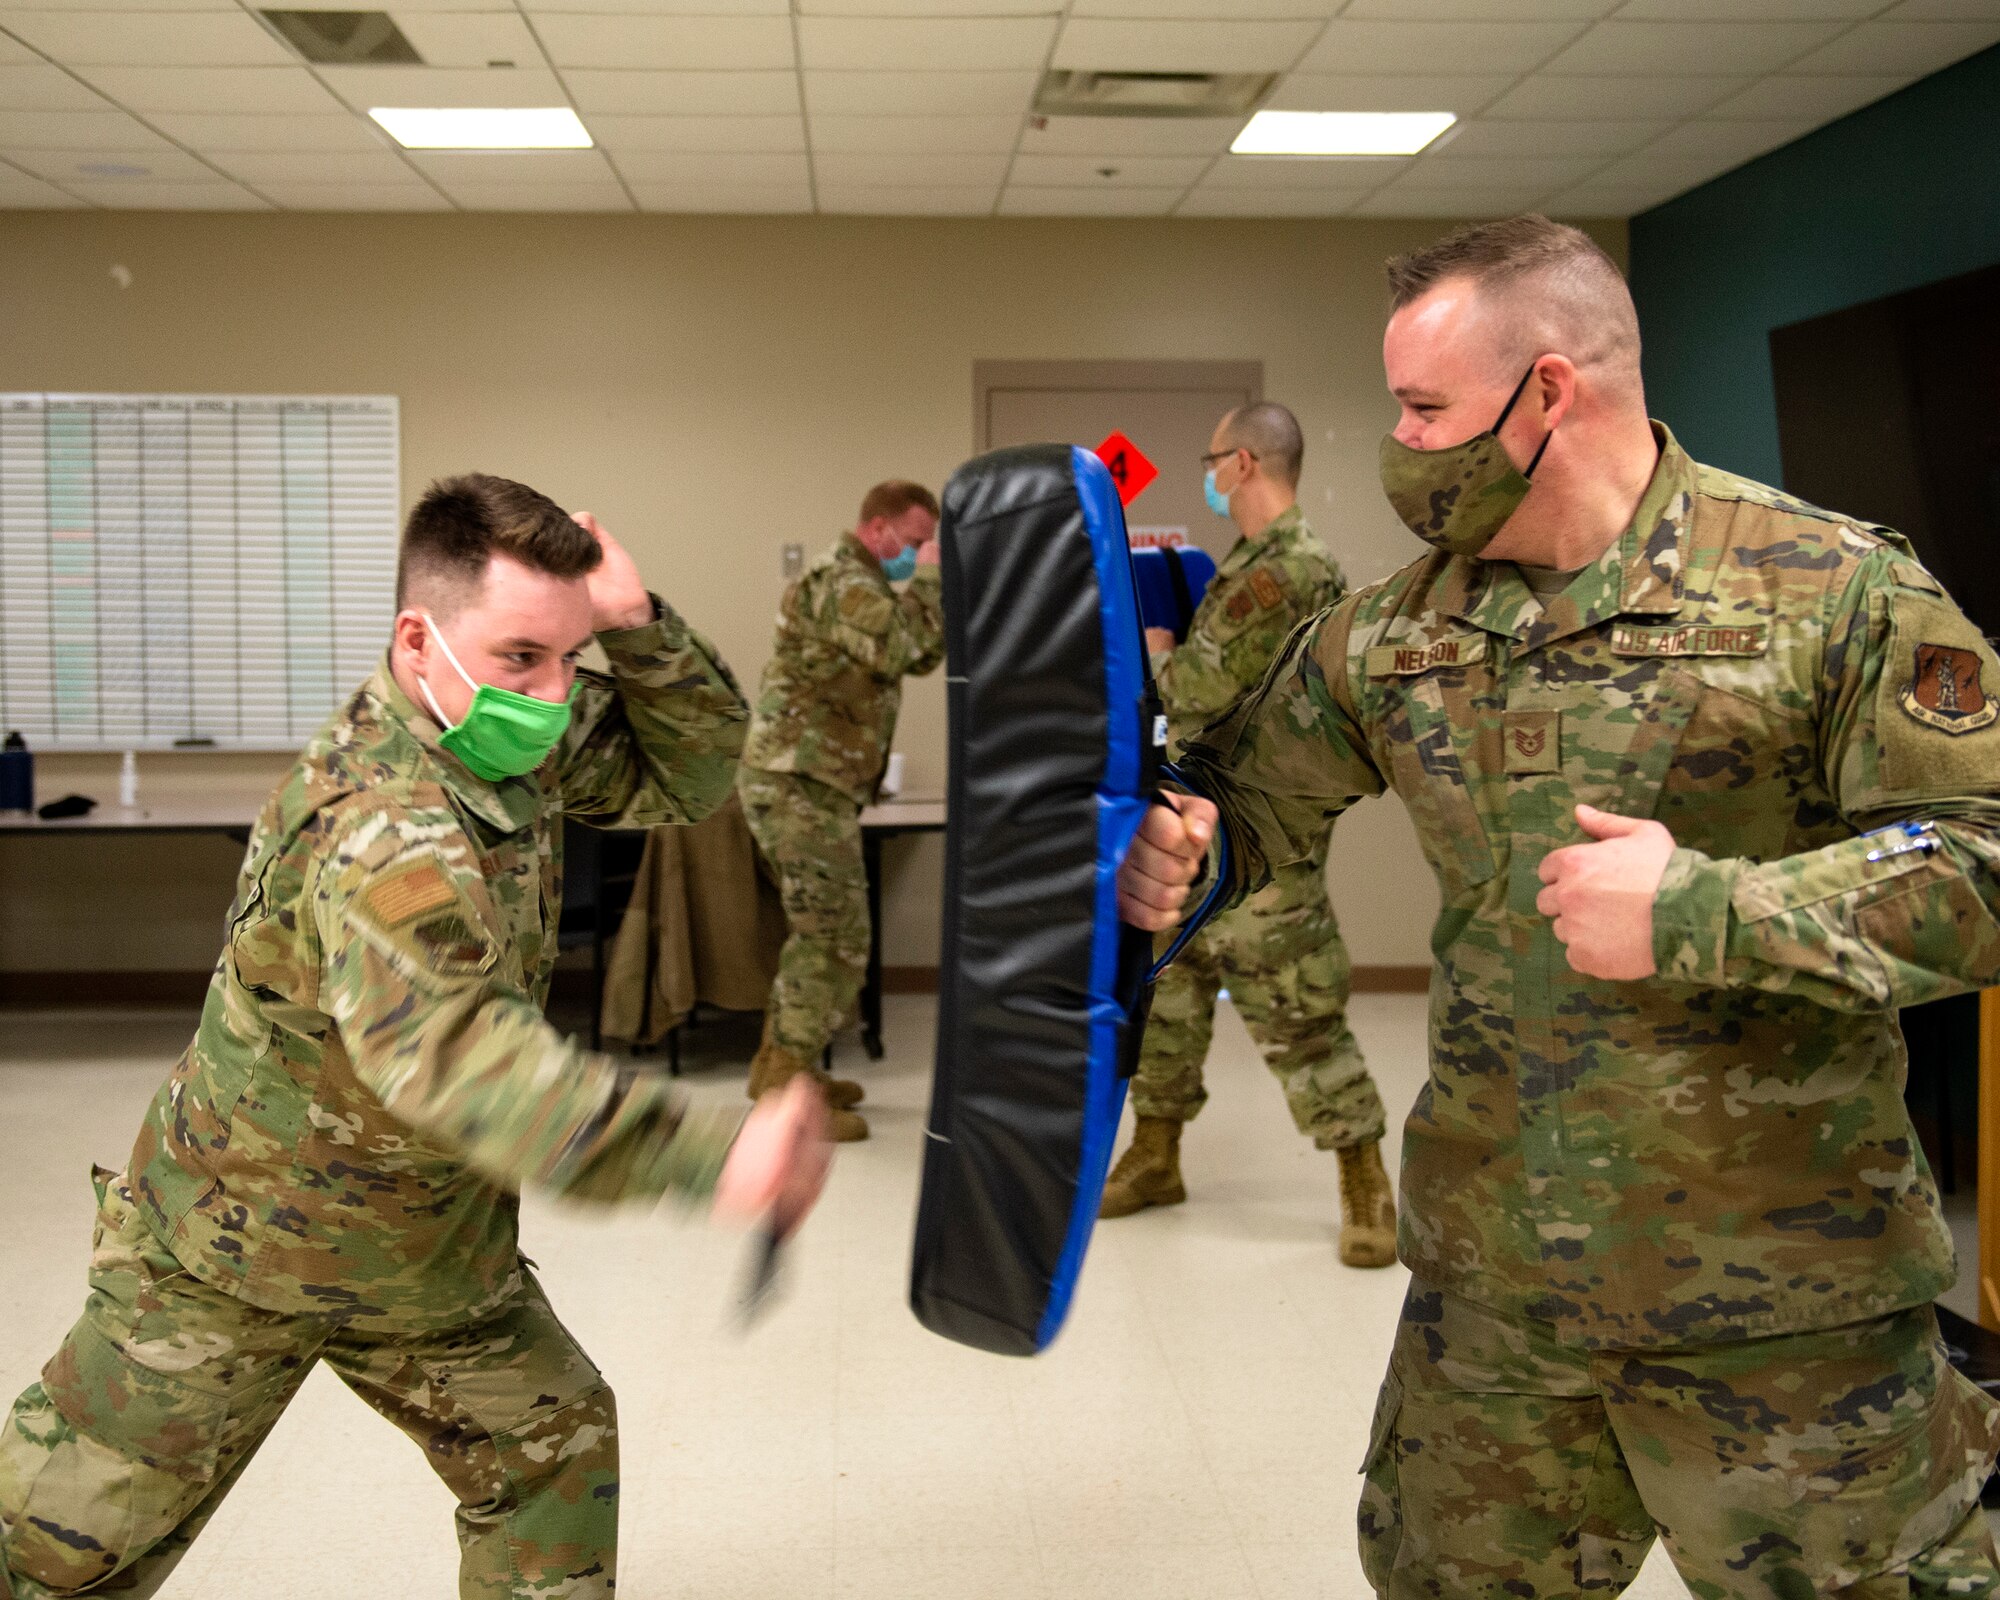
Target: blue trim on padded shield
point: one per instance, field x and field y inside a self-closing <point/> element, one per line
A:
<point x="1120" y="809"/>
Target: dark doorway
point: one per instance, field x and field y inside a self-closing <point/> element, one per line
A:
<point x="1890" y="411"/>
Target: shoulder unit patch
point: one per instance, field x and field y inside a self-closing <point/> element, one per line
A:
<point x="1946" y="692"/>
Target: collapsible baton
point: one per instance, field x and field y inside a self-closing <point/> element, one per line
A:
<point x="1057" y="746"/>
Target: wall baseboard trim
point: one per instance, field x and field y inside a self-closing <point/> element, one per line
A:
<point x="150" y="990"/>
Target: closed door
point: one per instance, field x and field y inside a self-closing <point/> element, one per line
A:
<point x="1168" y="409"/>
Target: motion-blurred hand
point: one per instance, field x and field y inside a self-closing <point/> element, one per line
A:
<point x="1166" y="856"/>
<point x="779" y="1163"/>
<point x="618" y="595"/>
<point x="1159" y="639"/>
<point x="927" y="553"/>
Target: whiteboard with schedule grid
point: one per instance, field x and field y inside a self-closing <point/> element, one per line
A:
<point x="192" y="571"/>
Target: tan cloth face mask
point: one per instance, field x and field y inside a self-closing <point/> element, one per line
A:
<point x="1460" y="497"/>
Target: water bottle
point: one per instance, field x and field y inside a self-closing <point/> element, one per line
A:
<point x="17" y="775"/>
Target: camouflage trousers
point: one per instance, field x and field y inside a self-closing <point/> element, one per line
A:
<point x="810" y="834"/>
<point x="1281" y="957"/>
<point x="163" y="1391"/>
<point x="1838" y="1462"/>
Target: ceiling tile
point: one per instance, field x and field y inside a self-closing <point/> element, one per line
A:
<point x="1711" y="139"/>
<point x="735" y="198"/>
<point x="1283" y="172"/>
<point x="470" y="38"/>
<point x="925" y="44"/>
<point x="1604" y="99"/>
<point x="916" y="135"/>
<point x="706" y="44"/>
<point x="1499" y="172"/>
<point x="1610" y="199"/>
<point x="454" y="167"/>
<point x="652" y="8"/>
<point x="684" y="94"/>
<point x="753" y="135"/>
<point x="919" y="171"/>
<point x="942" y="200"/>
<point x="155" y="39"/>
<point x="967" y="94"/>
<point x="76" y="130"/>
<point x="214" y="195"/>
<point x="1944" y="11"/>
<point x="71" y="167"/>
<point x="362" y="87"/>
<point x="225" y="131"/>
<point x="1488" y="136"/>
<point x="1207" y="202"/>
<point x="1817" y="99"/>
<point x="19" y="192"/>
<point x="136" y="5"/>
<point x="259" y="91"/>
<point x="37" y="86"/>
<point x="1331" y="91"/>
<point x="355" y="196"/>
<point x="13" y="54"/>
<point x="1130" y="136"/>
<point x="1206" y="10"/>
<point x="1646" y="168"/>
<point x="1643" y="48"/>
<point x="1447" y="203"/>
<point x="1109" y="172"/>
<point x="1915" y="47"/>
<point x="1020" y="202"/>
<point x="1108" y="46"/>
<point x="1357" y="47"/>
<point x="539" y="197"/>
<point x="267" y="167"/>
<point x="941" y="8"/>
<point x="666" y="167"/>
<point x="1747" y="10"/>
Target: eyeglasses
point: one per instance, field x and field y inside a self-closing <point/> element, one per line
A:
<point x="1210" y="457"/>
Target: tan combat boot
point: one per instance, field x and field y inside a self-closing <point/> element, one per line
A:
<point x="843" y="1094"/>
<point x="774" y="1066"/>
<point x="1149" y="1172"/>
<point x="1367" y="1207"/>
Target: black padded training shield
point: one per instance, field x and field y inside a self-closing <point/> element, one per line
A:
<point x="1042" y="991"/>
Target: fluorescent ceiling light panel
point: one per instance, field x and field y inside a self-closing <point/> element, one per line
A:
<point x="1340" y="133"/>
<point x="483" y="128"/>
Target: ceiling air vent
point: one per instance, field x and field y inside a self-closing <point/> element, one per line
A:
<point x="1150" y="94"/>
<point x="345" y="38"/>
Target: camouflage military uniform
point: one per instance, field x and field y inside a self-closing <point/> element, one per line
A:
<point x="1666" y="1192"/>
<point x="330" y="1171"/>
<point x="1280" y="953"/>
<point x="825" y="716"/>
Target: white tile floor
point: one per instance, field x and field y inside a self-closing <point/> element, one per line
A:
<point x="1194" y="1434"/>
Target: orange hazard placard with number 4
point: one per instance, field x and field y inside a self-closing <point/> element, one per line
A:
<point x="1130" y="470"/>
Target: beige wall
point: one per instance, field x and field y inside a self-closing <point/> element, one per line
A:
<point x="712" y="388"/>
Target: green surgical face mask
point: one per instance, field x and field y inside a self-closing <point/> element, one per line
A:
<point x="1460" y="497"/>
<point x="504" y="733"/>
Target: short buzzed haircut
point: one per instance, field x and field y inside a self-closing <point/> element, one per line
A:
<point x="1562" y="293"/>
<point x="893" y="498"/>
<point x="1271" y="433"/>
<point x="461" y="523"/>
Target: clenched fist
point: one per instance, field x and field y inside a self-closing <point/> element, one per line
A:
<point x="1166" y="856"/>
<point x="1600" y="895"/>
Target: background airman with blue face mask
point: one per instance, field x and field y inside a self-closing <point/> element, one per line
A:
<point x="819" y="741"/>
<point x="1279" y="954"/>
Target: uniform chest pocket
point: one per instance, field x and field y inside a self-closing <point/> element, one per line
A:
<point x="1741" y="775"/>
<point x="1429" y="772"/>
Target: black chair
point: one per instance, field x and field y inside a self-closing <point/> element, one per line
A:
<point x="600" y="869"/>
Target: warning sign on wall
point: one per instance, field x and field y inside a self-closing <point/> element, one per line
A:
<point x="1130" y="470"/>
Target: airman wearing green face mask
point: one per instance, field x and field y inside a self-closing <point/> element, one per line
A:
<point x="332" y="1172"/>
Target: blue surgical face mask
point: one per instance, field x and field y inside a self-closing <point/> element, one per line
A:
<point x="1218" y="502"/>
<point x="901" y="565"/>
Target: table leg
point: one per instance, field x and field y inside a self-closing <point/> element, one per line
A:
<point x="871" y="986"/>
